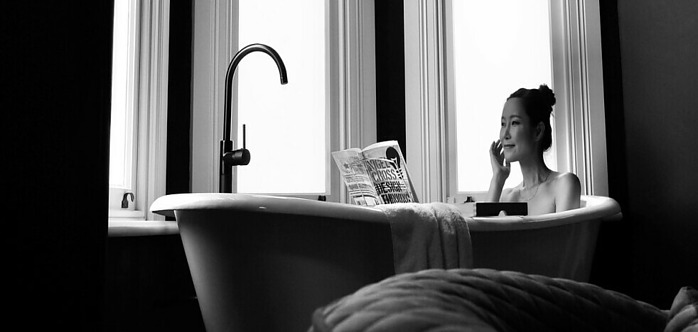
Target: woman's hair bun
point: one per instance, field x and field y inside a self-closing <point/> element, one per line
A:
<point x="547" y="94"/>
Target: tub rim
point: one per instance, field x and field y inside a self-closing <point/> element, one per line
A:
<point x="166" y="205"/>
<point x="595" y="208"/>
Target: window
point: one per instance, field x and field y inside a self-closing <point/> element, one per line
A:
<point x="327" y="105"/>
<point x="124" y="119"/>
<point x="286" y="125"/>
<point x="498" y="47"/>
<point x="139" y="106"/>
<point x="442" y="142"/>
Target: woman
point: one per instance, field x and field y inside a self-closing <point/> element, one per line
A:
<point x="524" y="135"/>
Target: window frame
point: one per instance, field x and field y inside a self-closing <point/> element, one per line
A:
<point x="131" y="123"/>
<point x="350" y="82"/>
<point x="149" y="100"/>
<point x="580" y="137"/>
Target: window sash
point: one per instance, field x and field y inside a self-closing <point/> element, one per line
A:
<point x="579" y="120"/>
<point x="479" y="98"/>
<point x="124" y="115"/>
<point x="287" y="125"/>
<point x="148" y="99"/>
<point x="350" y="85"/>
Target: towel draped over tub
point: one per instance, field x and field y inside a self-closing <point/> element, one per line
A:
<point x="427" y="236"/>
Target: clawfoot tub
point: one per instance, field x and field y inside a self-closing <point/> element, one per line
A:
<point x="264" y="263"/>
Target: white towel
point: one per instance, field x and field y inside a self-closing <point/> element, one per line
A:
<point x="427" y="236"/>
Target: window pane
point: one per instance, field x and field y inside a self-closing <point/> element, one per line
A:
<point x="499" y="47"/>
<point x="118" y="158"/>
<point x="285" y="123"/>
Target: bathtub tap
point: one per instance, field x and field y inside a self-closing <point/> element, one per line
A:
<point x="228" y="157"/>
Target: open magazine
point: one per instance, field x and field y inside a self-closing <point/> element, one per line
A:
<point x="376" y="174"/>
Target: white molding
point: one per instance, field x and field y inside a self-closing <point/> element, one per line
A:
<point x="152" y="104"/>
<point x="133" y="77"/>
<point x="333" y="38"/>
<point x="597" y="112"/>
<point x="357" y="83"/>
<point x="579" y="87"/>
<point x="214" y="42"/>
<point x="357" y="61"/>
<point x="203" y="129"/>
<point x="425" y="98"/>
<point x="228" y="44"/>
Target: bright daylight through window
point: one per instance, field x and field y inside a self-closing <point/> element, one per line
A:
<point x="286" y="124"/>
<point x="499" y="46"/>
<point x="122" y="140"/>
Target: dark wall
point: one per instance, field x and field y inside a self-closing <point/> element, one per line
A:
<point x="55" y="94"/>
<point x="611" y="267"/>
<point x="658" y="52"/>
<point x="179" y="98"/>
<point x="390" y="72"/>
<point x="149" y="287"/>
<point x="55" y="97"/>
<point x="649" y="49"/>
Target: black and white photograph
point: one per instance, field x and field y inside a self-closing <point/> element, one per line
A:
<point x="350" y="165"/>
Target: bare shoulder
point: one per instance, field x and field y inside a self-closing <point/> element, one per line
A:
<point x="566" y="181"/>
<point x="567" y="191"/>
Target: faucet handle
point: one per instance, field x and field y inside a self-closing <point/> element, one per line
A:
<point x="239" y="156"/>
<point x="244" y="135"/>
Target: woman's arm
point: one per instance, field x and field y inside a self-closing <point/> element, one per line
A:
<point x="500" y="172"/>
<point x="568" y="192"/>
<point x="494" y="194"/>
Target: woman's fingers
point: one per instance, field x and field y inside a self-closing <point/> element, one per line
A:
<point x="496" y="148"/>
<point x="500" y="166"/>
<point x="497" y="156"/>
<point x="495" y="153"/>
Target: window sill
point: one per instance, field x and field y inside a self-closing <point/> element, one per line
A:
<point x="124" y="227"/>
<point x="124" y="213"/>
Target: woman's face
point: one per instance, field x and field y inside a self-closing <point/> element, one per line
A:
<point x="516" y="134"/>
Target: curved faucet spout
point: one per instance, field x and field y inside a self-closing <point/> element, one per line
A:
<point x="228" y="157"/>
<point x="231" y="72"/>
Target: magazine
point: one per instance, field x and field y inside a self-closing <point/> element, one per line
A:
<point x="376" y="174"/>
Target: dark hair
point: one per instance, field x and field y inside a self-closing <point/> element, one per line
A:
<point x="538" y="104"/>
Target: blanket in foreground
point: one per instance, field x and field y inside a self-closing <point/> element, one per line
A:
<point x="489" y="300"/>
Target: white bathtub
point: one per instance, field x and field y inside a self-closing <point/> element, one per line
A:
<point x="264" y="263"/>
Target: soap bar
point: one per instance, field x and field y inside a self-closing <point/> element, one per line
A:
<point x="488" y="209"/>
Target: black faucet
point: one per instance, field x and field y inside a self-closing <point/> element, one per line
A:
<point x="230" y="157"/>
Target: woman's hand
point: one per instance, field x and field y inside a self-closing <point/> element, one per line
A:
<point x="500" y="172"/>
<point x="500" y="166"/>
